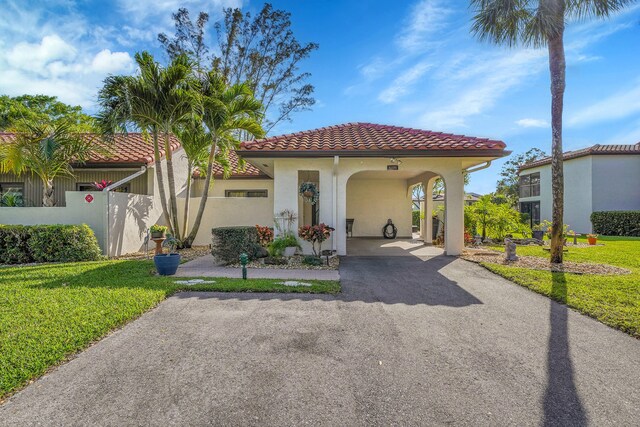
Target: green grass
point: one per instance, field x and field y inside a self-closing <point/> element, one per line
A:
<point x="613" y="300"/>
<point x="51" y="311"/>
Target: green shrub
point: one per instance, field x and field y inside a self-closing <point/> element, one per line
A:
<point x="616" y="223"/>
<point x="229" y="242"/>
<point x="47" y="243"/>
<point x="415" y="218"/>
<point x="277" y="247"/>
<point x="312" y="260"/>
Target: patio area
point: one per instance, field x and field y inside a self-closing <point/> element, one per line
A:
<point x="367" y="246"/>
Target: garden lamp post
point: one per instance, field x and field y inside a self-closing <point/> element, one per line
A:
<point x="244" y="258"/>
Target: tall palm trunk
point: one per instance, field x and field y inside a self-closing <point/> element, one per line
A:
<point x="557" y="70"/>
<point x="172" y="187"/>
<point x="185" y="221"/>
<point x="205" y="194"/>
<point x="160" y="178"/>
<point x="48" y="200"/>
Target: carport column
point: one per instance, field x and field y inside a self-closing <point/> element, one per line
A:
<point x="285" y="188"/>
<point x="341" y="223"/>
<point x="426" y="223"/>
<point x="454" y="212"/>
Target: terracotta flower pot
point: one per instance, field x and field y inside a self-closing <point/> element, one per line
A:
<point x="592" y="240"/>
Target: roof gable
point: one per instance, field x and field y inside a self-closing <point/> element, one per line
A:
<point x="367" y="138"/>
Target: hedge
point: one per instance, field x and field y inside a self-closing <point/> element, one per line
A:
<point x="21" y="244"/>
<point x="415" y="218"/>
<point x="616" y="223"/>
<point x="229" y="242"/>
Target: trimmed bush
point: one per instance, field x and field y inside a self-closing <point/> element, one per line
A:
<point x="616" y="223"/>
<point x="415" y="218"/>
<point x="229" y="242"/>
<point x="21" y="244"/>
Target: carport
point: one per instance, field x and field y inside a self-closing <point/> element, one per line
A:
<point x="365" y="172"/>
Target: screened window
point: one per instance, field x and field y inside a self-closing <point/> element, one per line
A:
<point x="246" y="193"/>
<point x="88" y="186"/>
<point x="529" y="185"/>
<point x="532" y="210"/>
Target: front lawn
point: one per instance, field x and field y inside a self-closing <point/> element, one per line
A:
<point x="613" y="300"/>
<point x="48" y="312"/>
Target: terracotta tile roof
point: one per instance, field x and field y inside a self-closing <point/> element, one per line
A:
<point x="133" y="150"/>
<point x="597" y="149"/>
<point x="249" y="171"/>
<point x="129" y="149"/>
<point x="359" y="139"/>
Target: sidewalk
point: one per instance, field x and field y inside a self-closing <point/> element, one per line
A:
<point x="204" y="267"/>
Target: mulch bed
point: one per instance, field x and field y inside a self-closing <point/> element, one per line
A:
<point x="537" y="263"/>
<point x="295" y="262"/>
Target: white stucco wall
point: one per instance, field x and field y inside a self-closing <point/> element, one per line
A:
<point x="370" y="202"/>
<point x="591" y="183"/>
<point x="616" y="182"/>
<point x="223" y="211"/>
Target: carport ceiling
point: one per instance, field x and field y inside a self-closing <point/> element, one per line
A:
<point x="388" y="174"/>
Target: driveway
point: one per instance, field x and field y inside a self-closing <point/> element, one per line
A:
<point x="411" y="341"/>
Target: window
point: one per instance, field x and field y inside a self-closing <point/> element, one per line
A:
<point x="532" y="209"/>
<point x="245" y="193"/>
<point x="529" y="185"/>
<point x="88" y="186"/>
<point x="11" y="194"/>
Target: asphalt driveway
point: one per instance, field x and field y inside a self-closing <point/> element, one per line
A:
<point x="411" y="341"/>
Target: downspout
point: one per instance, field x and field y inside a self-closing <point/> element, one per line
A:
<point x="107" y="190"/>
<point x="336" y="160"/>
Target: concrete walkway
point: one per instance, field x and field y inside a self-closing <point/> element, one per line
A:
<point x="434" y="341"/>
<point x="204" y="267"/>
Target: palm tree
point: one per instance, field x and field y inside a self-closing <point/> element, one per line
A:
<point x="227" y="111"/>
<point x="541" y="23"/>
<point x="154" y="101"/>
<point x="196" y="143"/>
<point x="48" y="151"/>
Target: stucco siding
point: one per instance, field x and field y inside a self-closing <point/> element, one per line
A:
<point x="578" y="194"/>
<point x="616" y="183"/>
<point x="370" y="202"/>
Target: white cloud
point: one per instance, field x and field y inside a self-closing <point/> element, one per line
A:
<point x="401" y="85"/>
<point x="36" y="56"/>
<point x="477" y="87"/>
<point x="427" y="18"/>
<point x="617" y="106"/>
<point x="532" y="123"/>
<point x="53" y="66"/>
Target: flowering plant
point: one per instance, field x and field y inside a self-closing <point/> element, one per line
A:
<point x="265" y="235"/>
<point x="102" y="184"/>
<point x="315" y="234"/>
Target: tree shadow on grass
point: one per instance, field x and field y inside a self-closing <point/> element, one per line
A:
<point x="562" y="404"/>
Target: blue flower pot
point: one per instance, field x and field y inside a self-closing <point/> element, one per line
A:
<point x="167" y="264"/>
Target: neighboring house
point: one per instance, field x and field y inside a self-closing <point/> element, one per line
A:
<point x="438" y="200"/>
<point x="597" y="178"/>
<point x="363" y="172"/>
<point x="130" y="154"/>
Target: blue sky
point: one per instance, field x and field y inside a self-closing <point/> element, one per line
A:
<point x="407" y="63"/>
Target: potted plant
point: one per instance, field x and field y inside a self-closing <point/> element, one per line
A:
<point x="284" y="246"/>
<point x="315" y="234"/>
<point x="592" y="239"/>
<point x="537" y="232"/>
<point x="309" y="192"/>
<point x="158" y="231"/>
<point x="167" y="264"/>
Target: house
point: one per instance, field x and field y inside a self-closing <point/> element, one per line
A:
<point x="362" y="171"/>
<point x="596" y="178"/>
